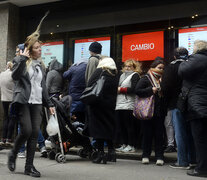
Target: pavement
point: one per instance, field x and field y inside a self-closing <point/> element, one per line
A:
<point x="127" y="167"/>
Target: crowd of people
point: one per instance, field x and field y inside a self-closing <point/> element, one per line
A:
<point x="179" y="91"/>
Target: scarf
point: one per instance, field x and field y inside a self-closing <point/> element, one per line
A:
<point x="155" y="76"/>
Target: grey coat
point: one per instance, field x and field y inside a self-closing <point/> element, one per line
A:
<point x="54" y="80"/>
<point x="22" y="87"/>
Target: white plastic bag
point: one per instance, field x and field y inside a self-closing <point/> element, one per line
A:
<point x="52" y="126"/>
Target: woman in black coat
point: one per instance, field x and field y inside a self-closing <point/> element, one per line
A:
<point x="194" y="73"/>
<point x="155" y="126"/>
<point x="102" y="112"/>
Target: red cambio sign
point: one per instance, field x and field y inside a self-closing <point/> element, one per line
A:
<point x="143" y="47"/>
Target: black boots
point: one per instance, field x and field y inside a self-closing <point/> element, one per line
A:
<point x="31" y="171"/>
<point x="101" y="157"/>
<point x="111" y="155"/>
<point x="11" y="161"/>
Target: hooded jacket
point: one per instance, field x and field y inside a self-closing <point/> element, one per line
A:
<point x="54" y="81"/>
<point x="76" y="78"/>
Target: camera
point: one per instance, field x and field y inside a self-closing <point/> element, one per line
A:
<point x="21" y="46"/>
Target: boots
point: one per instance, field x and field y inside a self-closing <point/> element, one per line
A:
<point x="111" y="155"/>
<point x="11" y="161"/>
<point x="31" y="171"/>
<point x="100" y="157"/>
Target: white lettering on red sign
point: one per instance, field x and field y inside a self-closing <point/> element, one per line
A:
<point x="139" y="47"/>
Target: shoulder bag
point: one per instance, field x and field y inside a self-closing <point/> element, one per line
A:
<point x="144" y="107"/>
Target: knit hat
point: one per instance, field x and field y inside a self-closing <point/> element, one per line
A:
<point x="95" y="47"/>
<point x="34" y="37"/>
<point x="107" y="63"/>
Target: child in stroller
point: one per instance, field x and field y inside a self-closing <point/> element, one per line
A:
<point x="70" y="132"/>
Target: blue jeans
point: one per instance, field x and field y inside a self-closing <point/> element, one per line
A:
<point x="40" y="141"/>
<point x="184" y="139"/>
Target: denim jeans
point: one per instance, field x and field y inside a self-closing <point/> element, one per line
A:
<point x="184" y="139"/>
<point x="40" y="141"/>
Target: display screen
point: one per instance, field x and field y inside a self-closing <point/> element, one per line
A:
<point x="82" y="45"/>
<point x="187" y="37"/>
<point x="143" y="47"/>
<point x="52" y="50"/>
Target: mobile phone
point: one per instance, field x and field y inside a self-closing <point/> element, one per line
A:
<point x="21" y="46"/>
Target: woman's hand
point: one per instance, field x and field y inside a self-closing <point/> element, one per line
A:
<point x="119" y="88"/>
<point x="154" y="89"/>
<point x="25" y="53"/>
<point x="52" y="110"/>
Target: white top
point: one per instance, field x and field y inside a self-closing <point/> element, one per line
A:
<point x="6" y="85"/>
<point x="35" y="75"/>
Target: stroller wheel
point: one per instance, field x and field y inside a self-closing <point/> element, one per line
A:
<point x="60" y="158"/>
<point x="82" y="153"/>
<point x="51" y="155"/>
<point x="94" y="154"/>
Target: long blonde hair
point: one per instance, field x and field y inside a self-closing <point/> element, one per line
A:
<point x="29" y="61"/>
<point x="136" y="65"/>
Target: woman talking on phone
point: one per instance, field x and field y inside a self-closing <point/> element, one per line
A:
<point x="29" y="95"/>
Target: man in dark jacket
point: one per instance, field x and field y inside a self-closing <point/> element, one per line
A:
<point x="171" y="86"/>
<point x="194" y="75"/>
<point x="76" y="78"/>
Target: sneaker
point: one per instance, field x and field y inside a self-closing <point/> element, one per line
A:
<point x="159" y="162"/>
<point x="128" y="149"/>
<point x="170" y="149"/>
<point x="145" y="160"/>
<point x="48" y="144"/>
<point x="21" y="155"/>
<point x="121" y="148"/>
<point x="177" y="166"/>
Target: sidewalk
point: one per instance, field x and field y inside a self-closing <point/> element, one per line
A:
<point x="169" y="157"/>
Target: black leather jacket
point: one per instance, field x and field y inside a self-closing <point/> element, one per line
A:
<point x="22" y="87"/>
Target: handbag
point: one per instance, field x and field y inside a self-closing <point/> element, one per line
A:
<point x="182" y="102"/>
<point x="144" y="107"/>
<point x="91" y="94"/>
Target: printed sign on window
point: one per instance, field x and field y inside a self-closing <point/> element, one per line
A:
<point x="143" y="47"/>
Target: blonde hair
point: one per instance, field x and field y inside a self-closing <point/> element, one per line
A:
<point x="199" y="45"/>
<point x="136" y="65"/>
<point x="29" y="61"/>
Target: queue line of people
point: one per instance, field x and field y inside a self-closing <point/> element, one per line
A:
<point x="114" y="112"/>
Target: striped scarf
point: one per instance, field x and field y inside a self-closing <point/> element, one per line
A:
<point x="155" y="76"/>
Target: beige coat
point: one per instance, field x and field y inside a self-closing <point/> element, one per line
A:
<point x="6" y="85"/>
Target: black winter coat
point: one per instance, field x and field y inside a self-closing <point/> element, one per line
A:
<point x="102" y="114"/>
<point x="144" y="89"/>
<point x="194" y="74"/>
<point x="171" y="83"/>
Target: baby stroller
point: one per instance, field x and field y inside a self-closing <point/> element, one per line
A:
<point x="69" y="134"/>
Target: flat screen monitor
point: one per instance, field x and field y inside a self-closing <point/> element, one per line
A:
<point x="188" y="36"/>
<point x="52" y="50"/>
<point x="81" y="51"/>
<point x="143" y="46"/>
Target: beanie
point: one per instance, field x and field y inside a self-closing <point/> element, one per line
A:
<point x="95" y="47"/>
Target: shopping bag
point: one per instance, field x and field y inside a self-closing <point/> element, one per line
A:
<point x="52" y="126"/>
<point x="144" y="108"/>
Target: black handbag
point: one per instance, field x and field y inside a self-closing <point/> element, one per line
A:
<point x="182" y="102"/>
<point x="91" y="94"/>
